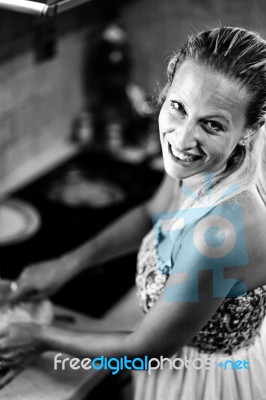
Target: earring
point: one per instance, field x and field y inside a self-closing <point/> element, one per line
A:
<point x="243" y="143"/>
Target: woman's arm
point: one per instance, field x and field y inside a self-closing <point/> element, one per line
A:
<point x="125" y="234"/>
<point x="167" y="327"/>
<point x="119" y="238"/>
<point x="195" y="289"/>
<point x="186" y="304"/>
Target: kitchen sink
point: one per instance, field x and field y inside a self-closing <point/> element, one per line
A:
<point x="69" y="218"/>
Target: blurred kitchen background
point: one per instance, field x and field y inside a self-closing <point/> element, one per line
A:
<point x="77" y="110"/>
<point x="42" y="67"/>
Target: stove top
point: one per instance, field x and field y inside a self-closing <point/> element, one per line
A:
<point x="75" y="201"/>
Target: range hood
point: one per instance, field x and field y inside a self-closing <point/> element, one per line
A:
<point x="42" y="8"/>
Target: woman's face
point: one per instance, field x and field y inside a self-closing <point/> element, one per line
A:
<point x="201" y="121"/>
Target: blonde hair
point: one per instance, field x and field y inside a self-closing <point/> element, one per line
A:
<point x="240" y="55"/>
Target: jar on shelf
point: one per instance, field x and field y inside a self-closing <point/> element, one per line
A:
<point x="83" y="131"/>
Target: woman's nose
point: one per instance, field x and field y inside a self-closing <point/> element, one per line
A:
<point x="184" y="136"/>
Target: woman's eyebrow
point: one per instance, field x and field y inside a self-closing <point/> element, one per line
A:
<point x="219" y="108"/>
<point x="219" y="116"/>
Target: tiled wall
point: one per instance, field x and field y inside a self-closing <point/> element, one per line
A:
<point x="158" y="27"/>
<point x="38" y="101"/>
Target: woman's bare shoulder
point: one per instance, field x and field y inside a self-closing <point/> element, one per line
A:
<point x="250" y="218"/>
<point x="251" y="206"/>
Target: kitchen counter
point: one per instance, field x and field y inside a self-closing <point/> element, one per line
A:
<point x="40" y="381"/>
<point x="63" y="227"/>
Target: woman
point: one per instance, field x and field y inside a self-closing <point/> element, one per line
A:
<point x="201" y="276"/>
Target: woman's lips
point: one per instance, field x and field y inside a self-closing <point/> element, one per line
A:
<point x="184" y="158"/>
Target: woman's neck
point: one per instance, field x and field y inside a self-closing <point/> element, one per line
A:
<point x="196" y="182"/>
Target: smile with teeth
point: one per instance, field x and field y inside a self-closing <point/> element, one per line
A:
<point x="182" y="156"/>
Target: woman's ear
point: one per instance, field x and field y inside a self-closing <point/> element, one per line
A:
<point x="251" y="133"/>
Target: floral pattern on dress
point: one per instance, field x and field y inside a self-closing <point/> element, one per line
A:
<point x="234" y="325"/>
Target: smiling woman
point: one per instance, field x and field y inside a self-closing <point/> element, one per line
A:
<point x="201" y="121"/>
<point x="201" y="279"/>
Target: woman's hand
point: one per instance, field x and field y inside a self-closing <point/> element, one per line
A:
<point x="20" y="337"/>
<point x="20" y="344"/>
<point x="40" y="280"/>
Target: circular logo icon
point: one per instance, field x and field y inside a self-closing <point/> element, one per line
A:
<point x="214" y="236"/>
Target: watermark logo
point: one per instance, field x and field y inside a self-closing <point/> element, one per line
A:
<point x="115" y="365"/>
<point x="206" y="237"/>
<point x="234" y="365"/>
<point x="205" y="363"/>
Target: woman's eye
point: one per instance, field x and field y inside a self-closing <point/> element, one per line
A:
<point x="214" y="126"/>
<point x="178" y="107"/>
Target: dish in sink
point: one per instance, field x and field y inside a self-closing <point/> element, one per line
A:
<point x="39" y="312"/>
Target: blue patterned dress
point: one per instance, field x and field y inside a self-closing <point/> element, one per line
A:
<point x="237" y="331"/>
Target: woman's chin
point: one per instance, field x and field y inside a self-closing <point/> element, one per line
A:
<point x="181" y="170"/>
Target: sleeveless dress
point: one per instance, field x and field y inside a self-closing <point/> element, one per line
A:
<point x="237" y="331"/>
